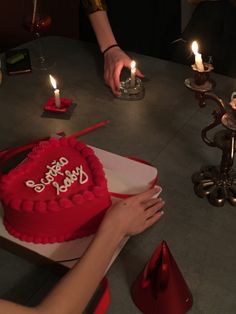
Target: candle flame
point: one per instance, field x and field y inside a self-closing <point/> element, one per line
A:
<point x="133" y="64"/>
<point x="195" y="47"/>
<point x="53" y="81"/>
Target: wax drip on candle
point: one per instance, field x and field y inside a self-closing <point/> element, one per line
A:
<point x="132" y="73"/>
<point x="198" y="57"/>
<point x="56" y="91"/>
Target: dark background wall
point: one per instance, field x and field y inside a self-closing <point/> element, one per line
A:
<point x="14" y="12"/>
<point x="146" y="27"/>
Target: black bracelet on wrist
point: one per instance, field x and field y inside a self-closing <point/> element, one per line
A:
<point x="109" y="47"/>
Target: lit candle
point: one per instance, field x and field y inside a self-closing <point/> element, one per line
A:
<point x="56" y="92"/>
<point x="132" y="73"/>
<point x="198" y="57"/>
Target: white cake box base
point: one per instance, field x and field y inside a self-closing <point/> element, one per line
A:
<point x="124" y="176"/>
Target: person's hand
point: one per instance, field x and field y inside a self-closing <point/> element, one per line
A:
<point x="114" y="61"/>
<point x="134" y="214"/>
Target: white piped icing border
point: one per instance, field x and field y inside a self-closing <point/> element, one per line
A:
<point x="42" y="239"/>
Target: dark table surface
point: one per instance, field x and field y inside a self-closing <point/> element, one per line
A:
<point x="164" y="129"/>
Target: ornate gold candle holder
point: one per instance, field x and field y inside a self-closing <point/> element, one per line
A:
<point x="216" y="183"/>
<point x="201" y="81"/>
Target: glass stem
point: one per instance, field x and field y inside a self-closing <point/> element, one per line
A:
<point x="40" y="45"/>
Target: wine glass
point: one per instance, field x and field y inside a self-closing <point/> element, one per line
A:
<point x="38" y="23"/>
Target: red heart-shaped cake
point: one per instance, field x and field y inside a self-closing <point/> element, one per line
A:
<point x="58" y="193"/>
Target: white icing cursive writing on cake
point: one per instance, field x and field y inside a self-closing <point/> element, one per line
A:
<point x="78" y="174"/>
<point x="71" y="177"/>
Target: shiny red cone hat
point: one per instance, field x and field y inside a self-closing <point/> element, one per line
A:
<point x="161" y="288"/>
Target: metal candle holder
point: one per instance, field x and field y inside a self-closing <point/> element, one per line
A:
<point x="201" y="81"/>
<point x="217" y="183"/>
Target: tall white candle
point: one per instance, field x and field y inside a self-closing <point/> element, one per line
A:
<point x="57" y="98"/>
<point x="198" y="57"/>
<point x="56" y="91"/>
<point x="132" y="73"/>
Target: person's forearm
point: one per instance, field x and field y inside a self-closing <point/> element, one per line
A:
<point x="102" y="28"/>
<point x="74" y="291"/>
<point x="7" y="307"/>
<point x="72" y="294"/>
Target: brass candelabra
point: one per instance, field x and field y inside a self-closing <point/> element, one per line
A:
<point x="216" y="183"/>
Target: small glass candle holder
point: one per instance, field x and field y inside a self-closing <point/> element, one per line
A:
<point x="132" y="90"/>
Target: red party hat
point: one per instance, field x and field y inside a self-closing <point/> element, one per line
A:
<point x="161" y="288"/>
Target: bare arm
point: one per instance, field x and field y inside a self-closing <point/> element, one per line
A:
<point x="73" y="292"/>
<point x="102" y="28"/>
<point x="115" y="58"/>
<point x="7" y="307"/>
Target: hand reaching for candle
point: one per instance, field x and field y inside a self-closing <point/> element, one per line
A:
<point x="115" y="60"/>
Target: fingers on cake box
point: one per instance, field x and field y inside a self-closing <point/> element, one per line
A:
<point x="62" y="190"/>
